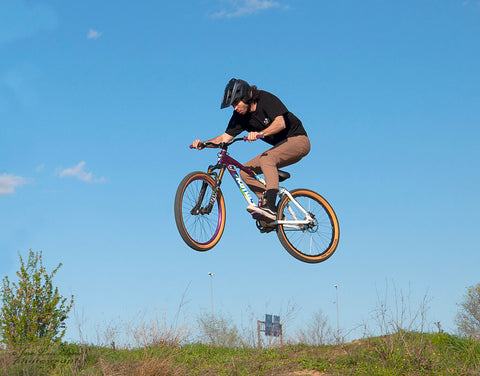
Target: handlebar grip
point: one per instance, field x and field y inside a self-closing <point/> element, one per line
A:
<point x="202" y="145"/>
<point x="259" y="136"/>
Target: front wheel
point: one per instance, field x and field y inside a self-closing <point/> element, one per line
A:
<point x="311" y="235"/>
<point x="199" y="211"/>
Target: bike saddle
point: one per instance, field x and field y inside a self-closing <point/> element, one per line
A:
<point x="283" y="175"/>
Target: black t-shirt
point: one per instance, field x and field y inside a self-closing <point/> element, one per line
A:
<point x="268" y="108"/>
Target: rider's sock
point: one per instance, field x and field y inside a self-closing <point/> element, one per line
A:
<point x="271" y="196"/>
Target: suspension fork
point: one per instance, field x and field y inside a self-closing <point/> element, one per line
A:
<point x="197" y="209"/>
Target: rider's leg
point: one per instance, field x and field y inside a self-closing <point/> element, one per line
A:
<point x="271" y="199"/>
<point x="254" y="185"/>
<point x="285" y="154"/>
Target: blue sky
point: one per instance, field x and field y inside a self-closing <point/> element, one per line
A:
<point x="99" y="102"/>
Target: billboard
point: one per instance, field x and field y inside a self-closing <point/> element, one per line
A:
<point x="273" y="327"/>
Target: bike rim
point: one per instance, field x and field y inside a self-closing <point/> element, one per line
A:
<point x="314" y="240"/>
<point x="202" y="229"/>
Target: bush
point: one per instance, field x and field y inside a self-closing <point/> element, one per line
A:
<point x="218" y="331"/>
<point x="468" y="317"/>
<point x="33" y="312"/>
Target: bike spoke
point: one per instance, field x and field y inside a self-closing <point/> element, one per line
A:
<point x="311" y="239"/>
<point x="199" y="228"/>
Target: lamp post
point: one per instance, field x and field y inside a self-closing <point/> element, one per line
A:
<point x="338" y="324"/>
<point x="211" y="297"/>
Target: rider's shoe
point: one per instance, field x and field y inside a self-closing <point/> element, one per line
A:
<point x="262" y="213"/>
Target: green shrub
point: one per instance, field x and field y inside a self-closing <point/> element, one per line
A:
<point x="33" y="312"/>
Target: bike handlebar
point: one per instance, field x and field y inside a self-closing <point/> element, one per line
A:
<point x="225" y="144"/>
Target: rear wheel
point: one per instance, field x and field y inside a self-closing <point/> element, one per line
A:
<point x="199" y="211"/>
<point x="310" y="242"/>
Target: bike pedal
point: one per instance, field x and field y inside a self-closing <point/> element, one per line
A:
<point x="266" y="230"/>
<point x="264" y="227"/>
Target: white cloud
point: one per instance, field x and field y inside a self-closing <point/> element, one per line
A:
<point x="93" y="34"/>
<point x="242" y="8"/>
<point x="79" y="173"/>
<point x="8" y="183"/>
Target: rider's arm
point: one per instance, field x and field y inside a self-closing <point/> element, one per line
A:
<point x="224" y="137"/>
<point x="277" y="125"/>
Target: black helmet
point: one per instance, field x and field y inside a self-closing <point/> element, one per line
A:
<point x="236" y="90"/>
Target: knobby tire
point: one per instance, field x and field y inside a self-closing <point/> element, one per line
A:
<point x="311" y="244"/>
<point x="200" y="231"/>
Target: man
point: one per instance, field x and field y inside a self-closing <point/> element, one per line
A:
<point x="262" y="114"/>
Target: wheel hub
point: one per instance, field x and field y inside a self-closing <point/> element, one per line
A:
<point x="312" y="225"/>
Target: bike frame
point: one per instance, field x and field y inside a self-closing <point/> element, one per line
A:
<point x="231" y="164"/>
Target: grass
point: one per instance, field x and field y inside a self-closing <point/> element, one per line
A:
<point x="402" y="353"/>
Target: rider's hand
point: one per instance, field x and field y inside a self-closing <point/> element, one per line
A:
<point x="197" y="144"/>
<point x="252" y="136"/>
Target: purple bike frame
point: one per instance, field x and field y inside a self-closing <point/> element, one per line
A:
<point x="230" y="163"/>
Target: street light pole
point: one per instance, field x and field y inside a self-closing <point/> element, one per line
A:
<point x="338" y="320"/>
<point x="211" y="292"/>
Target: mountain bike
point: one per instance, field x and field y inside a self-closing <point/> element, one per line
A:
<point x="306" y="224"/>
